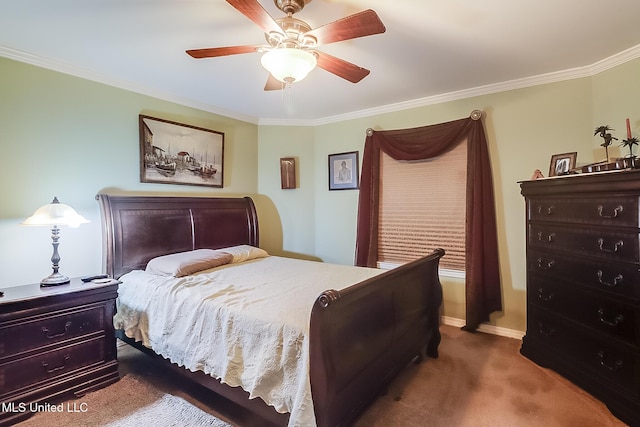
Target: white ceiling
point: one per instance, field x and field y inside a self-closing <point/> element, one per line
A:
<point x="431" y="49"/>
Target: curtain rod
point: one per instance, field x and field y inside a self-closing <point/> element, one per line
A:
<point x="475" y="115"/>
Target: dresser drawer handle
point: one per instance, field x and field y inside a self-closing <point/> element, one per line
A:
<point x="616" y="211"/>
<point x="612" y="367"/>
<point x="545" y="265"/>
<point x="45" y="365"/>
<point x="548" y="211"/>
<point x="613" y="322"/>
<point x="618" y="245"/>
<point x="543" y="297"/>
<point x="616" y="280"/>
<point x="67" y="325"/>
<point x="549" y="238"/>
<point x="549" y="332"/>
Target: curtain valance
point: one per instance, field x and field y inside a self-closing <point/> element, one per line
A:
<point x="483" y="293"/>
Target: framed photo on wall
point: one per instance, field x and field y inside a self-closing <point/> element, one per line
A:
<point x="561" y="164"/>
<point x="175" y="153"/>
<point x="343" y="171"/>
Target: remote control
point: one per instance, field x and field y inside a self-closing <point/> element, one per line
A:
<point x="95" y="276"/>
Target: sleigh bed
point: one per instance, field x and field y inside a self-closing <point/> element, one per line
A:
<point x="354" y="338"/>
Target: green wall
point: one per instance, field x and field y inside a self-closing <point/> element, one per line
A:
<point x="72" y="138"/>
<point x="524" y="127"/>
<point x="66" y="136"/>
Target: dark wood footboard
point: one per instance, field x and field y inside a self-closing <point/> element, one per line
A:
<point x="362" y="336"/>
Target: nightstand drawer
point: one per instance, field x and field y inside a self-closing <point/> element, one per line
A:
<point x="617" y="211"/>
<point x="30" y="371"/>
<point x="52" y="329"/>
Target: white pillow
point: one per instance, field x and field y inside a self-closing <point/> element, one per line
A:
<point x="185" y="263"/>
<point x="242" y="253"/>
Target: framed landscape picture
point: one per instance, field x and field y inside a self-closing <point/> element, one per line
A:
<point x="343" y="171"/>
<point x="175" y="153"/>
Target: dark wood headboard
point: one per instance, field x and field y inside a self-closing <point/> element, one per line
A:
<point x="136" y="229"/>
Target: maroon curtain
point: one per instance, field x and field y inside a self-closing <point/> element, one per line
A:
<point x="483" y="293"/>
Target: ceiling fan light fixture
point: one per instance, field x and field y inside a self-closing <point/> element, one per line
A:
<point x="289" y="65"/>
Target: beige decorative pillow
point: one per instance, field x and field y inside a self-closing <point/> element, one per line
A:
<point x="244" y="253"/>
<point x="185" y="263"/>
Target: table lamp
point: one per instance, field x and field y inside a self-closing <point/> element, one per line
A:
<point x="55" y="214"/>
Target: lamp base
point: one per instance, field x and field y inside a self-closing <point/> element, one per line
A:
<point x="55" y="279"/>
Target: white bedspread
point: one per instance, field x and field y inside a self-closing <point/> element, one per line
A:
<point x="246" y="324"/>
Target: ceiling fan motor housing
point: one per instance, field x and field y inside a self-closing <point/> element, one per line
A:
<point x="290" y="6"/>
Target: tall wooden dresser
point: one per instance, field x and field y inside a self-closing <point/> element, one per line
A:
<point x="583" y="283"/>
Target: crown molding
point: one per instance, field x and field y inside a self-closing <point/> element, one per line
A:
<point x="65" y="68"/>
<point x="554" y="77"/>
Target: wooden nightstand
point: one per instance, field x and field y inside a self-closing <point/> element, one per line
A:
<point x="55" y="342"/>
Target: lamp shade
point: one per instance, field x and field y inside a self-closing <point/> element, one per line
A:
<point x="55" y="213"/>
<point x="289" y="64"/>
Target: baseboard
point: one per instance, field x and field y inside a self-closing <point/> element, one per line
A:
<point x="484" y="327"/>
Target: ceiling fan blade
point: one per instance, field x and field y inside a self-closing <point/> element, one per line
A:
<point x="273" y="83"/>
<point x="254" y="11"/>
<point x="341" y="68"/>
<point x="361" y="24"/>
<point x="221" y="51"/>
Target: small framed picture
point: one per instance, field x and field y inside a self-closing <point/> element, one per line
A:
<point x="562" y="164"/>
<point x="288" y="173"/>
<point x="343" y="171"/>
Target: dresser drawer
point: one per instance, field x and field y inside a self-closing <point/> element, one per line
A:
<point x="40" y="368"/>
<point x="619" y="278"/>
<point x="579" y="350"/>
<point x="41" y="331"/>
<point x="599" y="242"/>
<point x="608" y="315"/>
<point x="618" y="211"/>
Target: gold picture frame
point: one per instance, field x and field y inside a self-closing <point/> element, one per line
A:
<point x="175" y="153"/>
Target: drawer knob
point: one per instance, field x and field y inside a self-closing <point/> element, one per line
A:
<point x="610" y="366"/>
<point x="615" y="213"/>
<point x="614" y="321"/>
<point x="616" y="280"/>
<point x="616" y="247"/>
<point x="45" y="365"/>
<point x="46" y="331"/>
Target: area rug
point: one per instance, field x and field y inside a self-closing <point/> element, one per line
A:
<point x="131" y="402"/>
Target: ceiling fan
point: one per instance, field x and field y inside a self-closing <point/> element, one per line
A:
<point x="290" y="53"/>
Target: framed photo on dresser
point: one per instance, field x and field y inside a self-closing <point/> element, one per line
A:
<point x="562" y="164"/>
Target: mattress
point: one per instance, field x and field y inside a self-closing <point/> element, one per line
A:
<point x="244" y="323"/>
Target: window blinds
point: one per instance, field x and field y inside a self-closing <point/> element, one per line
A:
<point x="422" y="207"/>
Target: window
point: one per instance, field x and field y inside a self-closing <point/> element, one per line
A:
<point x="422" y="207"/>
